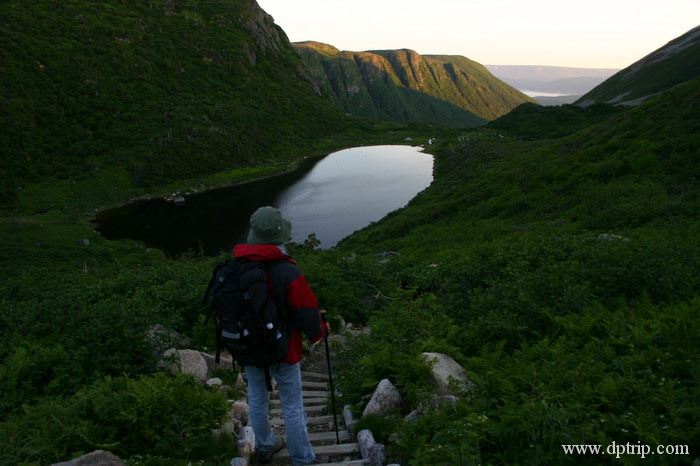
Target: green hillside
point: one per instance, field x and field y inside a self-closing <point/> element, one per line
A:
<point x="563" y="274"/>
<point x="403" y="86"/>
<point x="532" y="121"/>
<point x="148" y="91"/>
<point x="674" y="63"/>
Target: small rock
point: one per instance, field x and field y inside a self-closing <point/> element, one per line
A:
<point x="365" y="440"/>
<point x="377" y="457"/>
<point x="231" y="427"/>
<point x="413" y="415"/>
<point x="84" y="242"/>
<point x="224" y="389"/>
<point x="241" y="383"/>
<point x="162" y="337"/>
<point x="215" y="382"/>
<point x="225" y="362"/>
<point x="167" y="359"/>
<point x="239" y="410"/>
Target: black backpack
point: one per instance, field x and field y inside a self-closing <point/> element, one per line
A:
<point x="248" y="323"/>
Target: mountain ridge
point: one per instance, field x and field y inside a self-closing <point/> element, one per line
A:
<point x="402" y="85"/>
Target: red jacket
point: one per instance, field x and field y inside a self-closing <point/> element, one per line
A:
<point x="291" y="292"/>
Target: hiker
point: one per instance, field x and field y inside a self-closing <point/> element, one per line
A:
<point x="268" y="233"/>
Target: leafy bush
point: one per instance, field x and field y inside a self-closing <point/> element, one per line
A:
<point x="170" y="416"/>
<point x="623" y="375"/>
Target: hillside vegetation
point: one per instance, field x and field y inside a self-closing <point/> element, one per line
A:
<point x="403" y="86"/>
<point x="674" y="63"/>
<point x="146" y="92"/>
<point x="564" y="275"/>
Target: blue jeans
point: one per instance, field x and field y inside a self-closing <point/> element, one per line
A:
<point x="288" y="378"/>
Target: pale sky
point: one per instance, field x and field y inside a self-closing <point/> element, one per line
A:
<point x="577" y="33"/>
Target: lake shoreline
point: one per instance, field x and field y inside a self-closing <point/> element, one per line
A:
<point x="358" y="186"/>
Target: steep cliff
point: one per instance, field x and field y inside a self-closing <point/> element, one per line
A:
<point x="402" y="85"/>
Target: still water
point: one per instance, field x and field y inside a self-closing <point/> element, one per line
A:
<point x="343" y="192"/>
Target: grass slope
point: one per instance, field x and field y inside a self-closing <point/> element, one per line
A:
<point x="151" y="91"/>
<point x="674" y="63"/>
<point x="563" y="275"/>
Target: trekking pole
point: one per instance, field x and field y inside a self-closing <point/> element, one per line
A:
<point x="330" y="379"/>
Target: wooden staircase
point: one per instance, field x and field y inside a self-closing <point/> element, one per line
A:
<point x="320" y="425"/>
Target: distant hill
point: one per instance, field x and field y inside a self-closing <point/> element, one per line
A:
<point x="159" y="91"/>
<point x="568" y="83"/>
<point x="561" y="79"/>
<point x="674" y="63"/>
<point x="403" y="86"/>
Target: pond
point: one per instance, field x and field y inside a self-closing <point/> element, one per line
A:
<point x="331" y="197"/>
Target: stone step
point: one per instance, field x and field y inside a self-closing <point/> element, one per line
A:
<point x="324" y="450"/>
<point x="314" y="375"/>
<point x="318" y="385"/>
<point x="326" y="437"/>
<point x="316" y="409"/>
<point x="307" y="401"/>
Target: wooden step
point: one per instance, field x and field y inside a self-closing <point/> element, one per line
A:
<point x="319" y="385"/>
<point x="314" y="375"/>
<point x="325" y="437"/>
<point x="312" y="421"/>
<point x="324" y="450"/>
<point x="307" y="401"/>
<point x="309" y="410"/>
<point x="305" y="394"/>
<point x="348" y="463"/>
<point x="314" y="394"/>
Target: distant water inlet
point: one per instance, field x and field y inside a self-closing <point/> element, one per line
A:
<point x="343" y="192"/>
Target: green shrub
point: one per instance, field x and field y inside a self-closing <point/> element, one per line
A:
<point x="162" y="415"/>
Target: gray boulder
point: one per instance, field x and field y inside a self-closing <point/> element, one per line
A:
<point x="191" y="362"/>
<point x="162" y="338"/>
<point x="445" y="371"/>
<point x="385" y="399"/>
<point x="225" y="362"/>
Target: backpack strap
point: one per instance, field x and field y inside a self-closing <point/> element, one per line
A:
<point x="207" y="293"/>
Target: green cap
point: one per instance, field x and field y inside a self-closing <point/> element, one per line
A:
<point x="267" y="226"/>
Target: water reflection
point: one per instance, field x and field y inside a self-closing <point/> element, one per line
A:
<point x="352" y="188"/>
<point x="343" y="192"/>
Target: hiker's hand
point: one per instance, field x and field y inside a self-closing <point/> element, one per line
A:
<point x="325" y="322"/>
